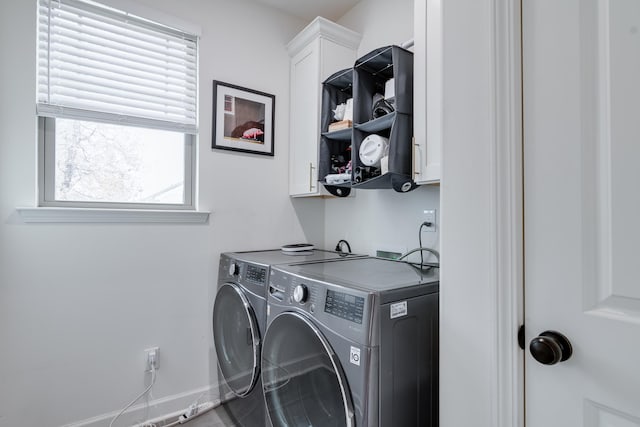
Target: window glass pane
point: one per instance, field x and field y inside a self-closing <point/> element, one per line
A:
<point x="98" y="162"/>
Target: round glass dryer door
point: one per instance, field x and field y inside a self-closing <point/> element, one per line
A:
<point x="303" y="382"/>
<point x="236" y="338"/>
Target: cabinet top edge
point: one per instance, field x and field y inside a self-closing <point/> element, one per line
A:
<point x="323" y="28"/>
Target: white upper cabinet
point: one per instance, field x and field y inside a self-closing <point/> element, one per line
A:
<point x="316" y="52"/>
<point x="427" y="85"/>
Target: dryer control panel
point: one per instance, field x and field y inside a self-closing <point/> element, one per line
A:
<point x="256" y="274"/>
<point x="251" y="276"/>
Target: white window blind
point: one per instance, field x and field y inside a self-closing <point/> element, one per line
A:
<point x="97" y="63"/>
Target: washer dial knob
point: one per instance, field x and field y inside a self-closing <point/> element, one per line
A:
<point x="234" y="269"/>
<point x="300" y="294"/>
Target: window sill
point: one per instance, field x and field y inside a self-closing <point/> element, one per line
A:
<point x="90" y="215"/>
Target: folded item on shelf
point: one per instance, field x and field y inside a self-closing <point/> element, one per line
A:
<point x="343" y="124"/>
<point x="337" y="178"/>
<point x="348" y="110"/>
<point x="384" y="165"/>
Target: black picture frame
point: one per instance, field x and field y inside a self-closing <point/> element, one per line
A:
<point x="243" y="119"/>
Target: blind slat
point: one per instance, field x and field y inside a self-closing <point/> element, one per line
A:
<point x="115" y="71"/>
<point x="84" y="8"/>
<point x="106" y="32"/>
<point x="118" y="65"/>
<point x="98" y="60"/>
<point x="76" y="17"/>
<point x="126" y="59"/>
<point x="84" y="89"/>
<point x="141" y="110"/>
<point x="156" y="48"/>
<point x="106" y="79"/>
<point x="47" y="110"/>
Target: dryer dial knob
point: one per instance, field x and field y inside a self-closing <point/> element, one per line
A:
<point x="300" y="294"/>
<point x="234" y="269"/>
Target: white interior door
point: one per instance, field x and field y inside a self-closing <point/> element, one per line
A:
<point x="581" y="79"/>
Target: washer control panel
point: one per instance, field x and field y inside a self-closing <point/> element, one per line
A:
<point x="344" y="305"/>
<point x="333" y="306"/>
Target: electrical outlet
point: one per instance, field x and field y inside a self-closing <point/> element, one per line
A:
<point x="429" y="216"/>
<point x="152" y="358"/>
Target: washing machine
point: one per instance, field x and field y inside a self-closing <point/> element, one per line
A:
<point x="239" y="320"/>
<point x="351" y="343"/>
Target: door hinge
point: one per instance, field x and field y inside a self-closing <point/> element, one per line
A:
<point x="521" y="337"/>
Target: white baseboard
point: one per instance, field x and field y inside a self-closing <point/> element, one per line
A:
<point x="157" y="408"/>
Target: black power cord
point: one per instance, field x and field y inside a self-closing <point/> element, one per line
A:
<point x="424" y="224"/>
<point x="422" y="249"/>
<point x="340" y="243"/>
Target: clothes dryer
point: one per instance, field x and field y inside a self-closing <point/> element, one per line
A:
<point x="352" y="343"/>
<point x="239" y="321"/>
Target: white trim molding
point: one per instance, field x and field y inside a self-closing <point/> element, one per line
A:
<point x="481" y="233"/>
<point x="326" y="29"/>
<point x="164" y="405"/>
<point x="88" y="215"/>
<point x="509" y="219"/>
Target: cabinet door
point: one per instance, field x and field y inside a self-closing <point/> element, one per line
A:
<point x="309" y="68"/>
<point x="304" y="125"/>
<point x="427" y="86"/>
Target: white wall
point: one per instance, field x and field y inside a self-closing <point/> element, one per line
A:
<point x="79" y="303"/>
<point x="381" y="219"/>
<point x="381" y="23"/>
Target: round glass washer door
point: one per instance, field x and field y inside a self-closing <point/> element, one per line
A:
<point x="302" y="378"/>
<point x="237" y="339"/>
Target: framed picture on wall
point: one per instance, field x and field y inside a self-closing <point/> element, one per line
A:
<point x="243" y="119"/>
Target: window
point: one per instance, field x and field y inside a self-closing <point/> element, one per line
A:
<point x="117" y="109"/>
<point x="229" y="105"/>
